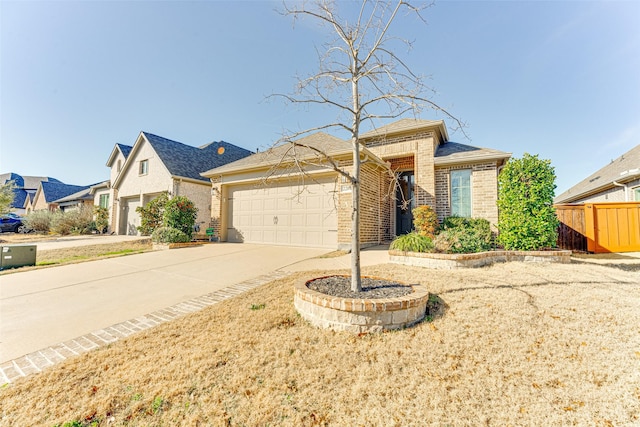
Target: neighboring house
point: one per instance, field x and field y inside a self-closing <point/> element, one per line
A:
<point x="25" y="188"/>
<point x="619" y="181"/>
<point x="264" y="198"/>
<point x="49" y="194"/>
<point x="154" y="165"/>
<point x="81" y="198"/>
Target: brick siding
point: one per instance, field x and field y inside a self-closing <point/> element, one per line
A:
<point x="484" y="190"/>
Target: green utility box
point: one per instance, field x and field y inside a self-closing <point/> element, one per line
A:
<point x="17" y="256"/>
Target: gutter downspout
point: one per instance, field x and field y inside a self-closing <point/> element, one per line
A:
<point x="626" y="189"/>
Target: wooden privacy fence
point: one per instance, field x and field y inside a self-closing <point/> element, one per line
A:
<point x="599" y="227"/>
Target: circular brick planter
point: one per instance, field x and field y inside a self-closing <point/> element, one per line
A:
<point x="360" y="315"/>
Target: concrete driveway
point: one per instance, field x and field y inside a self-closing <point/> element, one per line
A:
<point x="41" y="308"/>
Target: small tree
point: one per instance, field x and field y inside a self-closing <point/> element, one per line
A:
<point x="362" y="78"/>
<point x="180" y="213"/>
<point x="527" y="219"/>
<point x="6" y="196"/>
<point x="151" y="214"/>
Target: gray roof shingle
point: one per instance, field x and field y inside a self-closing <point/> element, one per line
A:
<point x="187" y="161"/>
<point x="55" y="190"/>
<point x="454" y="152"/>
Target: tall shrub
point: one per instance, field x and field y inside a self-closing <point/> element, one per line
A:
<point x="527" y="218"/>
<point x="75" y="221"/>
<point x="425" y="221"/>
<point x="38" y="221"/>
<point x="180" y="213"/>
<point x="152" y="214"/>
<point x="101" y="218"/>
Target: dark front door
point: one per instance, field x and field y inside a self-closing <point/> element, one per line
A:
<point x="404" y="203"/>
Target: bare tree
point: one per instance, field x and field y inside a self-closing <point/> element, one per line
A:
<point x="361" y="76"/>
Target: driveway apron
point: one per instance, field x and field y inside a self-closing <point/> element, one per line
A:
<point x="43" y="307"/>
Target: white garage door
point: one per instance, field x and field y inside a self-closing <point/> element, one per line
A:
<point x="129" y="218"/>
<point x="279" y="215"/>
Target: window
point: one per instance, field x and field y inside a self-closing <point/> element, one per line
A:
<point x="104" y="201"/>
<point x="461" y="193"/>
<point x="144" y="167"/>
<point x="636" y="194"/>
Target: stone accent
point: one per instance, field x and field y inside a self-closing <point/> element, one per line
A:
<point x="360" y="315"/>
<point x="480" y="259"/>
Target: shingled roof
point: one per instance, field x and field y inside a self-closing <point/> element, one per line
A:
<point x="125" y="149"/>
<point x="453" y="152"/>
<point x="57" y="190"/>
<point x="189" y="162"/>
<point x="623" y="169"/>
<point x="306" y="148"/>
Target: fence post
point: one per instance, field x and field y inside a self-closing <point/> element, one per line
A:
<point x="590" y="227"/>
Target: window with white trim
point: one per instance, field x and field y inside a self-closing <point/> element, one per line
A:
<point x="636" y="194"/>
<point x="461" y="192"/>
<point x="144" y="167"/>
<point x="104" y="201"/>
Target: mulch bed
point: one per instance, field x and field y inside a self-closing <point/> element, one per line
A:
<point x="340" y="286"/>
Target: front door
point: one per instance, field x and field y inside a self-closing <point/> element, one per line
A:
<point x="404" y="203"/>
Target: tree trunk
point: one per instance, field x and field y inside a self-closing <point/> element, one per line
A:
<point x="356" y="280"/>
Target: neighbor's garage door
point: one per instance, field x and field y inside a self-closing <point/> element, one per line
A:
<point x="279" y="215"/>
<point x="129" y="218"/>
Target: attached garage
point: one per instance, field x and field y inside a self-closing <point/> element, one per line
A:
<point x="284" y="213"/>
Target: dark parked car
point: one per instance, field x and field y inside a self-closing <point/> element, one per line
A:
<point x="12" y="222"/>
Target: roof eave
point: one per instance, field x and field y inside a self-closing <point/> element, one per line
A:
<point x="470" y="159"/>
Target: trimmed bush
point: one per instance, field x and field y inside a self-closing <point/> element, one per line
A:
<point x="412" y="242"/>
<point x="38" y="221"/>
<point x="180" y="213"/>
<point x="169" y="235"/>
<point x="151" y="214"/>
<point x="525" y="199"/>
<point x="425" y="221"/>
<point x="464" y="235"/>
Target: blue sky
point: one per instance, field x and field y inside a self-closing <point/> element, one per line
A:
<point x="556" y="78"/>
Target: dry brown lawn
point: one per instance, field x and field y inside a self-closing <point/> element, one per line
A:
<point x="519" y="344"/>
<point x="77" y="253"/>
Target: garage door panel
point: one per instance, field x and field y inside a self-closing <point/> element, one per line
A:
<point x="283" y="215"/>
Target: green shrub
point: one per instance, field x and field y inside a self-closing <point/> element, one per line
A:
<point x="38" y="221"/>
<point x="525" y="199"/>
<point x="412" y="242"/>
<point x="425" y="221"/>
<point x="76" y="221"/>
<point x="180" y="213"/>
<point x="151" y="214"/>
<point x="464" y="235"/>
<point x="169" y="235"/>
<point x="101" y="218"/>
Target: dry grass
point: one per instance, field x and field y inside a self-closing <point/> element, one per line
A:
<point x="76" y="254"/>
<point x="519" y="344"/>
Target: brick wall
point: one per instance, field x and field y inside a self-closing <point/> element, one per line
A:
<point x="484" y="190"/>
<point x="215" y="220"/>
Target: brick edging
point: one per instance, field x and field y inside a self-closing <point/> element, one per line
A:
<point x="35" y="362"/>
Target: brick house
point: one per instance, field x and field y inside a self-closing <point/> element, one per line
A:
<point x="292" y="195"/>
<point x="154" y="165"/>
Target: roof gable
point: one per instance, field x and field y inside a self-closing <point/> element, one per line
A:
<point x="624" y="168"/>
<point x="119" y="148"/>
<point x="407" y="126"/>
